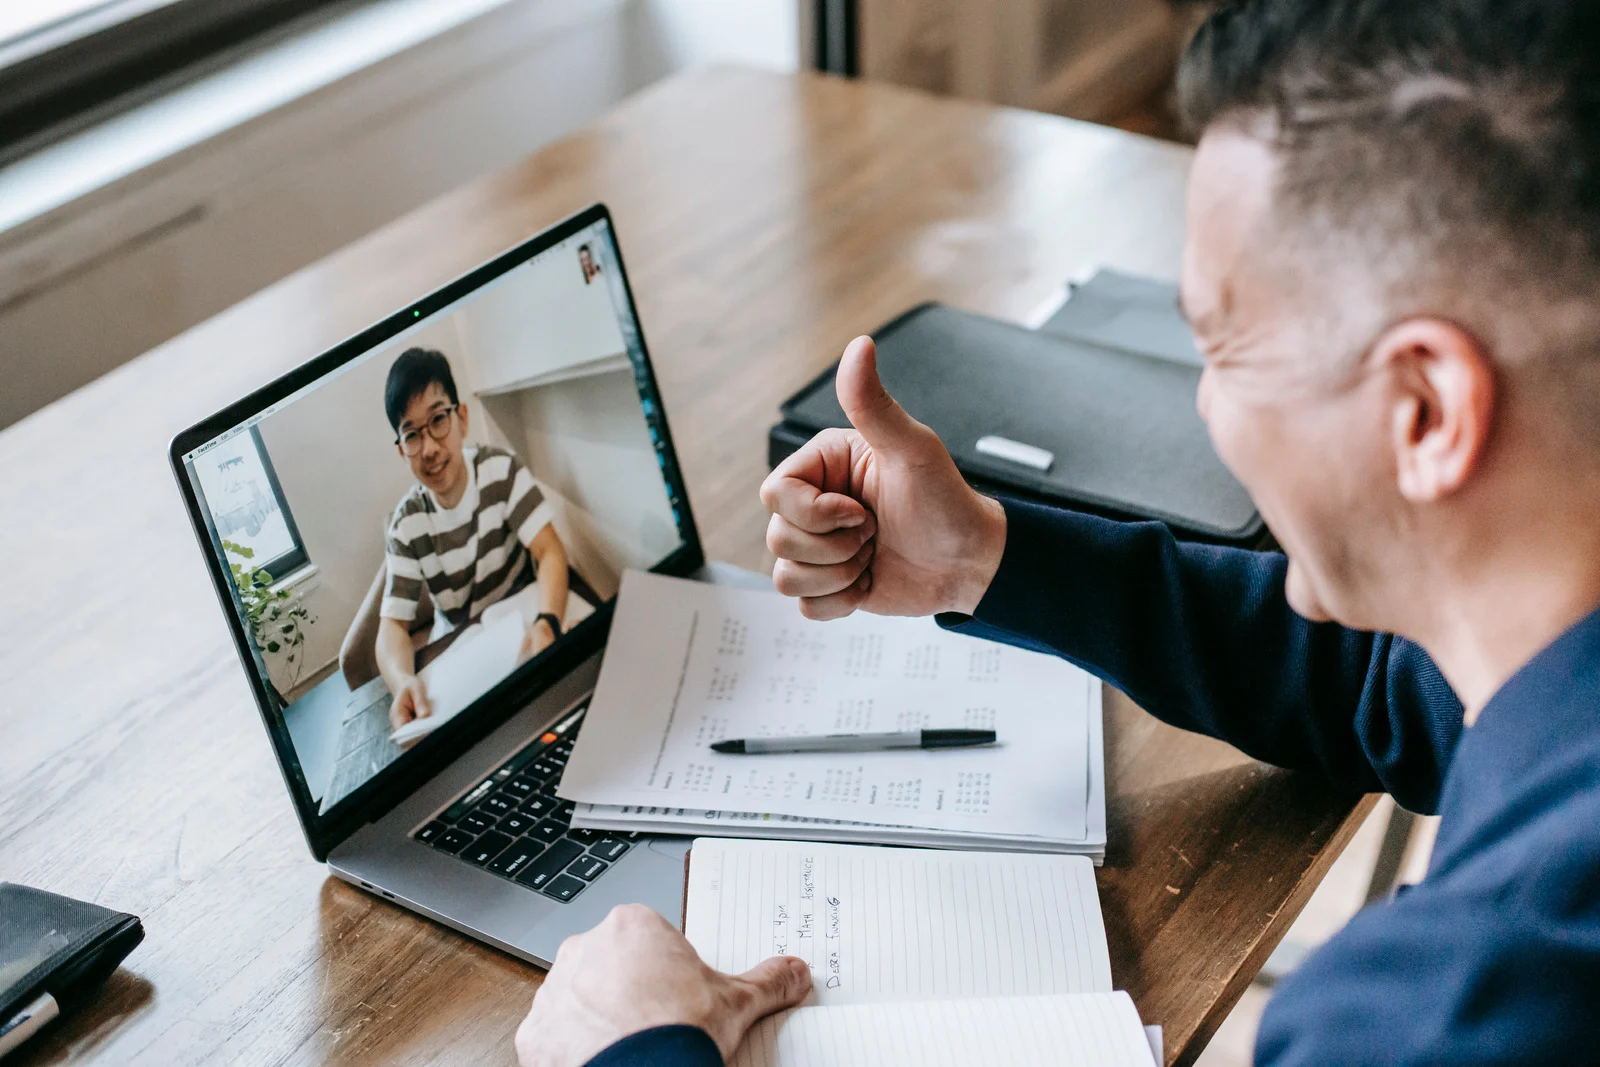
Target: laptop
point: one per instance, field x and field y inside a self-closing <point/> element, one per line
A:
<point x="436" y="513"/>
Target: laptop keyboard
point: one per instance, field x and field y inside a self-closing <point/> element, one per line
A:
<point x="511" y="823"/>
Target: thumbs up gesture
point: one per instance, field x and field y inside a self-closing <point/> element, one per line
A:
<point x="877" y="517"/>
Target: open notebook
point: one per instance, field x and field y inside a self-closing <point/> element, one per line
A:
<point x="919" y="956"/>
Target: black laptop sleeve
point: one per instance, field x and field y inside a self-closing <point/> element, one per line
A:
<point x="1121" y="424"/>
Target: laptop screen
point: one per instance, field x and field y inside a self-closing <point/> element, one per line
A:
<point x="436" y="512"/>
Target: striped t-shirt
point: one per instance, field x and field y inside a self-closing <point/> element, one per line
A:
<point x="468" y="556"/>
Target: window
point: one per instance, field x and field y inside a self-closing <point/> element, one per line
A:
<point x="247" y="507"/>
<point x="22" y="17"/>
<point x="65" y="61"/>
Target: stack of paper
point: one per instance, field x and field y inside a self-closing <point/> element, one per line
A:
<point x="689" y="663"/>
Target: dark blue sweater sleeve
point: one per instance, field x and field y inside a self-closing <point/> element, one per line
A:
<point x="662" y="1046"/>
<point x="1203" y="638"/>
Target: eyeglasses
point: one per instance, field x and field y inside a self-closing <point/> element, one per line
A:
<point x="438" y="427"/>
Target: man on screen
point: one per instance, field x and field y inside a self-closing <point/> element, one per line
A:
<point x="460" y="531"/>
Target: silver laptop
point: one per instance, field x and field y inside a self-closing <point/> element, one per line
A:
<point x="435" y="516"/>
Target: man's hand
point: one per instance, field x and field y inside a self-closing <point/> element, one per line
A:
<point x="878" y="517"/>
<point x="410" y="702"/>
<point x="633" y="972"/>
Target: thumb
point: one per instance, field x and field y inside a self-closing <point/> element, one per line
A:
<point x="868" y="406"/>
<point x="420" y="696"/>
<point x="777" y="983"/>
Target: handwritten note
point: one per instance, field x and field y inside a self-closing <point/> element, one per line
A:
<point x="1083" y="1030"/>
<point x="688" y="664"/>
<point x="893" y="924"/>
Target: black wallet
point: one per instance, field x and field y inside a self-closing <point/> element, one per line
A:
<point x="55" y="945"/>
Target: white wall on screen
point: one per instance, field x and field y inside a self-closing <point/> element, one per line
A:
<point x="541" y="320"/>
<point x="586" y="439"/>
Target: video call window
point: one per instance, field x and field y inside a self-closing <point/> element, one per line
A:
<point x="443" y="509"/>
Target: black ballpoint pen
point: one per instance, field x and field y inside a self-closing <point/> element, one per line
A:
<point x="754" y="746"/>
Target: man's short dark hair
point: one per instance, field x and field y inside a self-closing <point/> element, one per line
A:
<point x="409" y="377"/>
<point x="1456" y="143"/>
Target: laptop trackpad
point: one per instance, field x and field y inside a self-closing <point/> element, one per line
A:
<point x="652" y="876"/>
<point x="673" y="847"/>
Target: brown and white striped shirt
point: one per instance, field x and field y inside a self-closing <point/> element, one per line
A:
<point x="468" y="556"/>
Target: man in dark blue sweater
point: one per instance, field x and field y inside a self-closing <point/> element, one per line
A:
<point x="1393" y="270"/>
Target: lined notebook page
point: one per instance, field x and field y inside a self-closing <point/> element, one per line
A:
<point x="1091" y="1030"/>
<point x="885" y="924"/>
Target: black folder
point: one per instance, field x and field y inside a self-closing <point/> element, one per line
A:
<point x="1119" y="423"/>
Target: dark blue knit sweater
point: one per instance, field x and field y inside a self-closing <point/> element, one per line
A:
<point x="1495" y="956"/>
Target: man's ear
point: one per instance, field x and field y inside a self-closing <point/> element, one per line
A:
<point x="461" y="409"/>
<point x="1443" y="403"/>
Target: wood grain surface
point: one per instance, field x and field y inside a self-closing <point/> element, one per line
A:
<point x="766" y="219"/>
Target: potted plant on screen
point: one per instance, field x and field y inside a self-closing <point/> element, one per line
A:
<point x="276" y="617"/>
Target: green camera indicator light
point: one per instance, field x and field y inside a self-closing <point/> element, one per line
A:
<point x="416" y="313"/>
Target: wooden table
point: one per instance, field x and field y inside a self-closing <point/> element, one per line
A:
<point x="766" y="219"/>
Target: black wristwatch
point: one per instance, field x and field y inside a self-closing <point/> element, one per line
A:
<point x="553" y="619"/>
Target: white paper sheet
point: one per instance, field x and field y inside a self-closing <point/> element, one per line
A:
<point x="484" y="654"/>
<point x="1075" y="1030"/>
<point x="796" y="828"/>
<point x="689" y="663"/>
<point x="881" y="924"/>
<point x="469" y="668"/>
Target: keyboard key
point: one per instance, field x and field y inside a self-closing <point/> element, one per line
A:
<point x="522" y="759"/>
<point x="429" y="833"/>
<point x="539" y="807"/>
<point x="588" y="837"/>
<point x="553" y="756"/>
<point x="468" y="801"/>
<point x="563" y="888"/>
<point x="610" y="850"/>
<point x="517" y="824"/>
<point x="550" y="830"/>
<point x="501" y="804"/>
<point x="543" y="768"/>
<point x="485" y="848"/>
<point x="587" y="867"/>
<point x="453" y="840"/>
<point x="511" y="862"/>
<point x="564" y="811"/>
<point x="536" y="772"/>
<point x="522" y="787"/>
<point x="476" y="822"/>
<point x="549" y="864"/>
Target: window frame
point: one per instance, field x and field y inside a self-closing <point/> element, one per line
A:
<point x="285" y="564"/>
<point x="62" y="75"/>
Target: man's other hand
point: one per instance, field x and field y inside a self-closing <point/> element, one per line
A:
<point x="411" y="702"/>
<point x="538" y="637"/>
<point x="634" y="972"/>
<point x="878" y="517"/>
